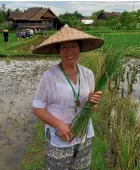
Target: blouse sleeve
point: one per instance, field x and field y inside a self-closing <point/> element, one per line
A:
<point x="43" y="94"/>
<point x="91" y="81"/>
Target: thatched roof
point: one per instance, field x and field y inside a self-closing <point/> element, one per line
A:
<point x="39" y="14"/>
<point x="15" y="15"/>
<point x="33" y="14"/>
<point x="108" y="14"/>
<point x="49" y="15"/>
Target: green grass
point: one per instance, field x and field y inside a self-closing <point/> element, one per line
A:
<point x="35" y="152"/>
<point x="12" y="38"/>
<point x="99" y="148"/>
<point x="8" y="50"/>
<point x="122" y="39"/>
<point x="11" y="49"/>
<point x="116" y="39"/>
<point x="119" y="39"/>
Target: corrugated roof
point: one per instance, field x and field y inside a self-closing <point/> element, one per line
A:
<point x="87" y="21"/>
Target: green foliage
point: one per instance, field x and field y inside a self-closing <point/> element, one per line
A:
<point x="5" y="25"/>
<point x="95" y="14"/>
<point x="99" y="148"/>
<point x="112" y="63"/>
<point x="3" y="16"/>
<point x="126" y="20"/>
<point x="72" y="19"/>
<point x="17" y="10"/>
<point x="3" y="13"/>
<point x="118" y="128"/>
<point x="129" y="20"/>
<point x="78" y="15"/>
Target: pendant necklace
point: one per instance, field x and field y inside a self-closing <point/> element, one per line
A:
<point x="76" y="96"/>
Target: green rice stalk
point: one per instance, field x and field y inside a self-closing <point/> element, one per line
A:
<point x="111" y="66"/>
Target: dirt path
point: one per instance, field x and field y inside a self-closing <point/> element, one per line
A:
<point x="31" y="45"/>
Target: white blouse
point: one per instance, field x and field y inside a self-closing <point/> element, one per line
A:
<point x="55" y="94"/>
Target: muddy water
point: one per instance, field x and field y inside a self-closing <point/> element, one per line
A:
<point x="129" y="84"/>
<point x="18" y="80"/>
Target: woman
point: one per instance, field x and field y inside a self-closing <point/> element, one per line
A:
<point x="5" y="35"/>
<point x="23" y="35"/>
<point x="18" y="34"/>
<point x="63" y="86"/>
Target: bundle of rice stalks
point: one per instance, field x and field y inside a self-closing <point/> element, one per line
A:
<point x="112" y="64"/>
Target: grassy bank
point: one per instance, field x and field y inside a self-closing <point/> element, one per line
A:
<point x="8" y="50"/>
<point x="16" y="48"/>
<point x="35" y="155"/>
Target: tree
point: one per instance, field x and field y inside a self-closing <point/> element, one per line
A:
<point x="127" y="20"/>
<point x="72" y="19"/>
<point x="78" y="15"/>
<point x="138" y="16"/>
<point x="95" y="14"/>
<point x="3" y="13"/>
<point x="17" y="10"/>
<point x="3" y="6"/>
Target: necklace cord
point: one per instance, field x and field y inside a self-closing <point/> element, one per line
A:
<point x="76" y="96"/>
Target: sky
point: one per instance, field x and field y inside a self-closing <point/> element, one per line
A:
<point x="84" y="7"/>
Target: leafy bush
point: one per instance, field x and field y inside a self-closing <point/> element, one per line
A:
<point x="5" y="25"/>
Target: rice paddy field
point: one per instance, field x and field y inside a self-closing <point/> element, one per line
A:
<point x="12" y="38"/>
<point x="115" y="39"/>
<point x="116" y="145"/>
<point x="120" y="39"/>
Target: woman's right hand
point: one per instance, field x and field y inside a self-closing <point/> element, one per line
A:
<point x="64" y="131"/>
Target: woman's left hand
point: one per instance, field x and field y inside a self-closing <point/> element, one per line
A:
<point x="94" y="97"/>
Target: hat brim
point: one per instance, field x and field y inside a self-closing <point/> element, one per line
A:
<point x="86" y="45"/>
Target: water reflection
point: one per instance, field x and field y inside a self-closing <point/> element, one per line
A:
<point x="130" y="83"/>
<point x="18" y="80"/>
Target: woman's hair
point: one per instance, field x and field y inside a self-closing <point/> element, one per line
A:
<point x="78" y="41"/>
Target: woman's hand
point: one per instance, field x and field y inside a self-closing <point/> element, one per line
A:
<point x="95" y="97"/>
<point x="64" y="131"/>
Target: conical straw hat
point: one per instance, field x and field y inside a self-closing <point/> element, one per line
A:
<point x="5" y="30"/>
<point x="66" y="33"/>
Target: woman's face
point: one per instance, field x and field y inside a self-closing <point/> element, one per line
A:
<point x="69" y="52"/>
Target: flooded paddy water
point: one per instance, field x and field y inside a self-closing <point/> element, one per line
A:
<point x="18" y="81"/>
